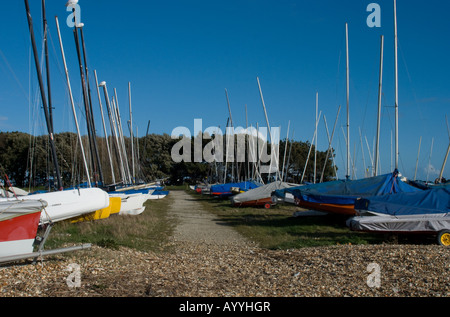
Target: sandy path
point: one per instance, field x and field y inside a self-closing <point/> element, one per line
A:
<point x="195" y="224"/>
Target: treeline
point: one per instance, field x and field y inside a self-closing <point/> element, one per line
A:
<point x="26" y="161"/>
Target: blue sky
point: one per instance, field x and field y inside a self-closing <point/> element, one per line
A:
<point x="180" y="56"/>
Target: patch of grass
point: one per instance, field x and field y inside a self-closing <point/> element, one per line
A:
<point x="148" y="231"/>
<point x="277" y="228"/>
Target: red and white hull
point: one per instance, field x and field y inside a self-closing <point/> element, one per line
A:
<point x="67" y="204"/>
<point x="19" y="221"/>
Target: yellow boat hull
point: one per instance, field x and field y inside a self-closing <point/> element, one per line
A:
<point x="113" y="208"/>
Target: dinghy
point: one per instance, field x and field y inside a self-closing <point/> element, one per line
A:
<point x="229" y="189"/>
<point x="158" y="194"/>
<point x="339" y="197"/>
<point x="131" y="204"/>
<point x="261" y="196"/>
<point x="63" y="205"/>
<point x="423" y="212"/>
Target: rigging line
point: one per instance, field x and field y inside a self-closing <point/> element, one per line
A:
<point x="423" y="119"/>
<point x="14" y="75"/>
<point x="411" y="82"/>
<point x="342" y="44"/>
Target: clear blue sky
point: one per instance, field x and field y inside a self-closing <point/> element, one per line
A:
<point x="180" y="56"/>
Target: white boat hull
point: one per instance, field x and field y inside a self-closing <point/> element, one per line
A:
<point x="11" y="248"/>
<point x="156" y="196"/>
<point x="63" y="205"/>
<point x="132" y="204"/>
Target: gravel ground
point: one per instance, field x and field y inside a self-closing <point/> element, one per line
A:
<point x="220" y="263"/>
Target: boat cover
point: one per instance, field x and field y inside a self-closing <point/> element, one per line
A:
<point x="160" y="192"/>
<point x="22" y="206"/>
<point x="261" y="192"/>
<point x="346" y="192"/>
<point x="225" y="189"/>
<point x="432" y="201"/>
<point x="401" y="224"/>
<point x="426" y="211"/>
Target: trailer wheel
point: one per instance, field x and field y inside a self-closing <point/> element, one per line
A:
<point x="267" y="206"/>
<point x="444" y="238"/>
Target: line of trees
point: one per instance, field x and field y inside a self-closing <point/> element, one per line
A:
<point x="26" y="161"/>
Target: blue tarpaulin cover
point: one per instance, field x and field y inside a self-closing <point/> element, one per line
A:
<point x="346" y="192"/>
<point x="225" y="189"/>
<point x="432" y="201"/>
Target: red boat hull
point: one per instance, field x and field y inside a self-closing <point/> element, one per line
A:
<point x="21" y="227"/>
<point x="17" y="234"/>
<point x="266" y="202"/>
<point x="347" y="210"/>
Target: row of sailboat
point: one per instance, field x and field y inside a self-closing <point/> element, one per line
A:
<point x="23" y="213"/>
<point x="379" y="203"/>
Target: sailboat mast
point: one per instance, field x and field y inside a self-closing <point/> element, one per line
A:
<point x="43" y="97"/>
<point x="91" y="112"/>
<point x="234" y="145"/>
<point x="112" y="125"/>
<point x="270" y="132"/>
<point x="85" y="99"/>
<point x="47" y="64"/>
<point x="417" y="161"/>
<point x="396" y="84"/>
<point x="73" y="104"/>
<point x="380" y="87"/>
<point x="348" y="101"/>
<point x="285" y="150"/>
<point x="315" y="146"/>
<point x="131" y="135"/>
<point x="104" y="129"/>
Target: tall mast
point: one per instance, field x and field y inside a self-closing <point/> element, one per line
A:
<point x="85" y="99"/>
<point x="131" y="135"/>
<point x="91" y="112"/>
<point x="268" y="127"/>
<point x="315" y="146"/>
<point x="112" y="124"/>
<point x="73" y="104"/>
<point x="396" y="84"/>
<point x="348" y="98"/>
<point x="380" y="87"/>
<point x="43" y="97"/>
<point x="234" y="145"/>
<point x="104" y="129"/>
<point x="285" y="151"/>
<point x="417" y="161"/>
<point x="121" y="138"/>
<point x="47" y="64"/>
